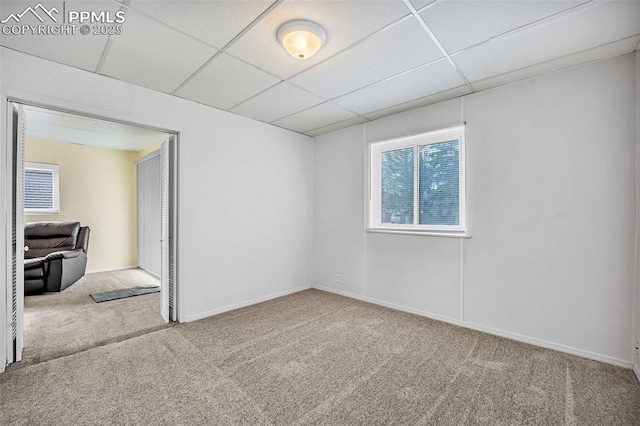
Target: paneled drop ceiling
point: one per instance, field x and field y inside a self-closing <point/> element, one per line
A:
<point x="381" y="56"/>
<point x="70" y="128"/>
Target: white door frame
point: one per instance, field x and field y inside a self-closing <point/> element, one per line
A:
<point x="3" y="243"/>
<point x="25" y="98"/>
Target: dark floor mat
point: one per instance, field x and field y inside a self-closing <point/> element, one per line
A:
<point x="105" y="296"/>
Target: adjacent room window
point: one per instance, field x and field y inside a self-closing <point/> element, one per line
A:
<point x="41" y="189"/>
<point x="417" y="183"/>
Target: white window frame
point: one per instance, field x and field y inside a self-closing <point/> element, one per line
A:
<point x="375" y="183"/>
<point x="56" y="188"/>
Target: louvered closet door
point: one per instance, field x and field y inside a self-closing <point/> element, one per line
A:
<point x="168" y="226"/>
<point x="149" y="182"/>
<point x="164" y="228"/>
<point x="16" y="298"/>
<point x="172" y="224"/>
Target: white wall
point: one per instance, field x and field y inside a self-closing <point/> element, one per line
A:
<point x="245" y="206"/>
<point x="550" y="205"/>
<point x="97" y="189"/>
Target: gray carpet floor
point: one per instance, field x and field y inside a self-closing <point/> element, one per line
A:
<point x="314" y="358"/>
<point x="59" y="324"/>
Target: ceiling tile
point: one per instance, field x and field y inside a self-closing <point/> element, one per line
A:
<point x="587" y="28"/>
<point x="423" y="81"/>
<point x="152" y="55"/>
<point x="121" y="141"/>
<point x="602" y="52"/>
<point x="77" y="50"/>
<point x="108" y="141"/>
<point x="71" y="128"/>
<point x="128" y="131"/>
<point x="312" y="118"/>
<point x="345" y="22"/>
<point x="460" y="24"/>
<point x="56" y="133"/>
<point x="277" y="102"/>
<point x="60" y="119"/>
<point x="226" y="82"/>
<point x="213" y="21"/>
<point x="405" y="46"/>
<point x="419" y="4"/>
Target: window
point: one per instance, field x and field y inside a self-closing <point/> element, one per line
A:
<point x="41" y="189"/>
<point x="417" y="183"/>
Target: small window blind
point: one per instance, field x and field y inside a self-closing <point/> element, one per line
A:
<point x="439" y="167"/>
<point x="41" y="193"/>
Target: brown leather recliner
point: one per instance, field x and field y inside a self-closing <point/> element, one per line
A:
<point x="56" y="256"/>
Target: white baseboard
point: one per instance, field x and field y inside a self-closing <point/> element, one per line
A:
<point x="228" y="308"/>
<point x="149" y="272"/>
<point x="550" y="345"/>
<point x="438" y="317"/>
<point x="636" y="369"/>
<point x="120" y="268"/>
<point x="488" y="330"/>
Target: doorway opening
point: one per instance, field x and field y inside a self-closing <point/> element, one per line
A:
<point x="97" y="163"/>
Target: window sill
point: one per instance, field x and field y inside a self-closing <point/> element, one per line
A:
<point x="444" y="234"/>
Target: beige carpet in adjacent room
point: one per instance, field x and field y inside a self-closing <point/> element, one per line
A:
<point x="321" y="359"/>
<point x="58" y="324"/>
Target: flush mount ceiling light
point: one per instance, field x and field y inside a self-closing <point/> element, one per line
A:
<point x="302" y="39"/>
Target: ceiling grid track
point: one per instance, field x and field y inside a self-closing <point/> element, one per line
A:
<point x="435" y="40"/>
<point x="546" y="19"/>
<point x="230" y="43"/>
<point x="123" y="7"/>
<point x="127" y="6"/>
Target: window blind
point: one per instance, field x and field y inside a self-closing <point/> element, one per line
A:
<point x="439" y="167"/>
<point x="41" y="189"/>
